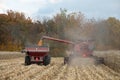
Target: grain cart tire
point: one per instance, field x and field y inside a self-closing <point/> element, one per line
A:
<point x="99" y="60"/>
<point x="27" y="60"/>
<point x="46" y="60"/>
<point x="66" y="60"/>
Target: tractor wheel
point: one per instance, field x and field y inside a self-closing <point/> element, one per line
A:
<point x="99" y="60"/>
<point x="66" y="60"/>
<point x="46" y="60"/>
<point x="27" y="60"/>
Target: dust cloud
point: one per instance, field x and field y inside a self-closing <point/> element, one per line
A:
<point x="83" y="32"/>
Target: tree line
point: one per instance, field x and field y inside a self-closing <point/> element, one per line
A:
<point x="17" y="31"/>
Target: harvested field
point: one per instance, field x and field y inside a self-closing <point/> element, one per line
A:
<point x="14" y="69"/>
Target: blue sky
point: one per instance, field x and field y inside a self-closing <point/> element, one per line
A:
<point x="98" y="9"/>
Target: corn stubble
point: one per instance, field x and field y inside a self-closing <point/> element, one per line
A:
<point x="14" y="69"/>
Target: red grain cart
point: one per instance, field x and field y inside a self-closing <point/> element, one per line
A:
<point x="37" y="54"/>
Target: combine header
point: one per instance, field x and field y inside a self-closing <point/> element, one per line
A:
<point x="40" y="53"/>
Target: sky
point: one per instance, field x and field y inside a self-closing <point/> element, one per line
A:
<point x="98" y="9"/>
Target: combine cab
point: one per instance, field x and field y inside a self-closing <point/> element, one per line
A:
<point x="37" y="54"/>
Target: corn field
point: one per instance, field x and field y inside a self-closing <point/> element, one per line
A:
<point x="14" y="69"/>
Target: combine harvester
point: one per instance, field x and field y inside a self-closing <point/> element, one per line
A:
<point x="80" y="49"/>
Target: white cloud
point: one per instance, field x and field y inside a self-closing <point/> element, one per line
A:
<point x="33" y="1"/>
<point x="3" y="7"/>
<point x="29" y="7"/>
<point x="94" y="8"/>
<point x="55" y="1"/>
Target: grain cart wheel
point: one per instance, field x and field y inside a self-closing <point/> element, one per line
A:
<point x="27" y="60"/>
<point x="46" y="60"/>
<point x="66" y="60"/>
